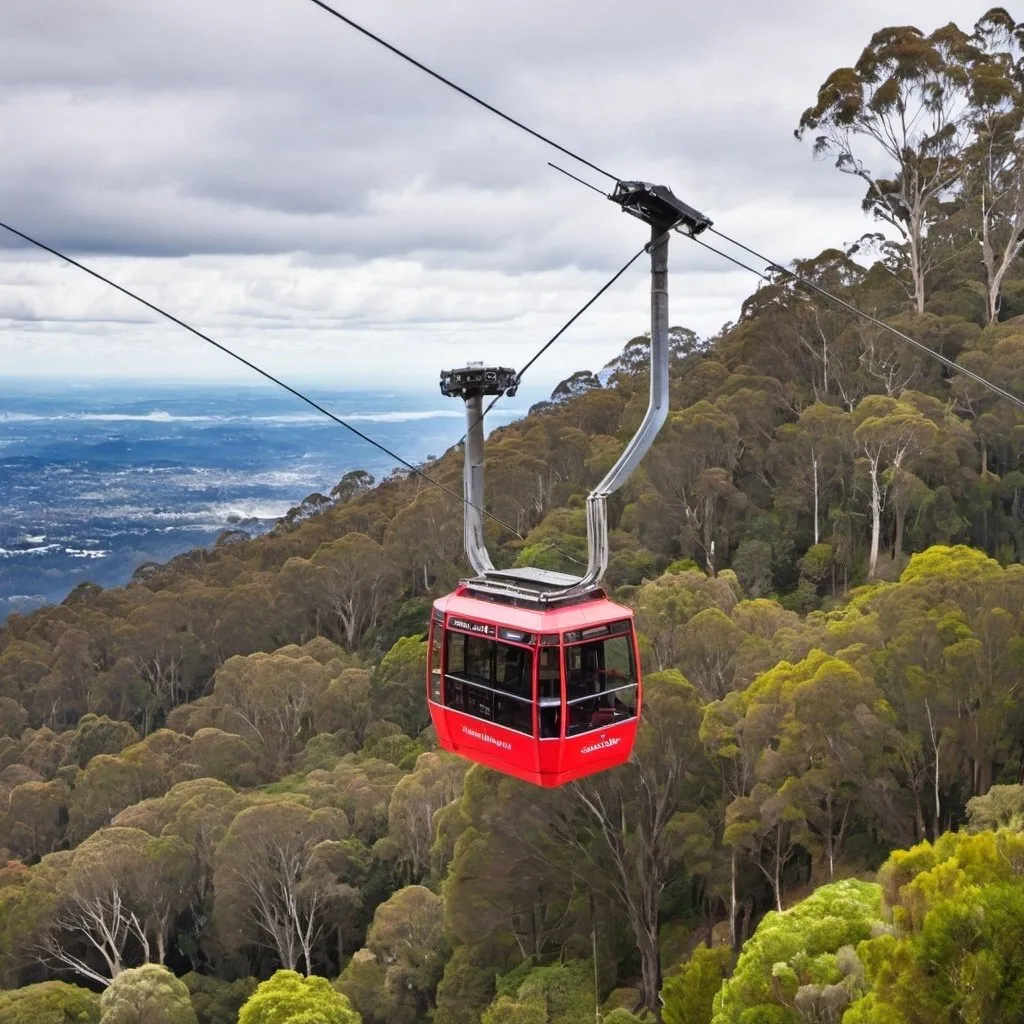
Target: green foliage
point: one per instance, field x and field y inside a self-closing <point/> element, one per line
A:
<point x="364" y="984"/>
<point x="289" y="998"/>
<point x="620" y="1016"/>
<point x="1000" y="807"/>
<point x="688" y="996"/>
<point x="50" y="1002"/>
<point x="556" y="994"/>
<point x="958" y="911"/>
<point x="516" y="1011"/>
<point x="959" y="563"/>
<point x="394" y="978"/>
<point x="466" y="987"/>
<point x="508" y="984"/>
<point x="752" y="563"/>
<point x="806" y="452"/>
<point x="798" y="948"/>
<point x="216" y="1001"/>
<point x="99" y="735"/>
<point x="681" y="565"/>
<point x="397" y="687"/>
<point x="147" y="995"/>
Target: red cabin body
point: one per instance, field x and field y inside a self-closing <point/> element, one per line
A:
<point x="545" y="694"/>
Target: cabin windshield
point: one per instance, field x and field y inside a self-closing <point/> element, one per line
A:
<point x="600" y="682"/>
<point x="490" y="680"/>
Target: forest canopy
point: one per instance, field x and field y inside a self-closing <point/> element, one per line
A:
<point x="220" y="797"/>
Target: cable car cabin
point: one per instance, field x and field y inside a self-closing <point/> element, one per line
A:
<point x="547" y="694"/>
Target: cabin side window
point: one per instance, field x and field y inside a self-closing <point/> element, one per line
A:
<point x="436" y="632"/>
<point x="490" y="680"/>
<point x="549" y="690"/>
<point x="600" y="683"/>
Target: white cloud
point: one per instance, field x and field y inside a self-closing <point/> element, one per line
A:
<point x="296" y="191"/>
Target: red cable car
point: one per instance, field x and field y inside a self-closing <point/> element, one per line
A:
<point x="533" y="673"/>
<point x="546" y="694"/>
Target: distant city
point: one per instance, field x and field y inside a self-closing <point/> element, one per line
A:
<point x="97" y="479"/>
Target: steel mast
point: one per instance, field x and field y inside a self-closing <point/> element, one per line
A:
<point x="657" y="206"/>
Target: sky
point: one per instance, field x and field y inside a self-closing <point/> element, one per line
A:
<point x="304" y="197"/>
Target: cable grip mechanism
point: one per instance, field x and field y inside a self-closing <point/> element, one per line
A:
<point x="658" y="206"/>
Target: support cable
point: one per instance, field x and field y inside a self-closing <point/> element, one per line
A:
<point x="561" y="330"/>
<point x="458" y="88"/>
<point x="920" y="346"/>
<point x="252" y="366"/>
<point x="955" y="367"/>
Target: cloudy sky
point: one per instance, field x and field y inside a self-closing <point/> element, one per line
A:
<point x="303" y="196"/>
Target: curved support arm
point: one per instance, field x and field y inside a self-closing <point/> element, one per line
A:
<point x="473" y="486"/>
<point x="657" y="413"/>
<point x="472" y="383"/>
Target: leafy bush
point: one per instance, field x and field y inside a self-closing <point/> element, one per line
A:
<point x="800" y="950"/>
<point x="147" y="995"/>
<point x="690" y="994"/>
<point x="289" y="998"/>
<point x="51" y="1002"/>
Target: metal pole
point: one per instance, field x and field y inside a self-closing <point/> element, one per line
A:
<point x="473" y="485"/>
<point x="657" y="413"/>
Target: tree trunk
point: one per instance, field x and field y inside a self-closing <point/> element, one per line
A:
<point x="996" y="265"/>
<point x="732" y="894"/>
<point x="814" y="469"/>
<point x="994" y="288"/>
<point x="897" y="544"/>
<point x="936" y="743"/>
<point x="919" y="816"/>
<point x="593" y="947"/>
<point x="915" y="239"/>
<point x="876" y="519"/>
<point x="777" y="869"/>
<point x="748" y="911"/>
<point x="830" y="848"/>
<point x="650" y="970"/>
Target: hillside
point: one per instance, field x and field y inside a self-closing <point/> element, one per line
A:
<point x="225" y="767"/>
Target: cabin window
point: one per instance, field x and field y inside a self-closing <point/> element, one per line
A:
<point x="436" y="632"/>
<point x="549" y="691"/>
<point x="600" y="684"/>
<point x="490" y="680"/>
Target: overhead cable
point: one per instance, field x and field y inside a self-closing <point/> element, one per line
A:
<point x="458" y="88"/>
<point x="800" y="279"/>
<point x="577" y="178"/>
<point x="561" y="330"/>
<point x="955" y="367"/>
<point x="252" y="366"/>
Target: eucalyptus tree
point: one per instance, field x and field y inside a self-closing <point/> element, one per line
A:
<point x="267" y="889"/>
<point x="147" y="995"/>
<point x="116" y="902"/>
<point x="993" y="186"/>
<point x="630" y="829"/>
<point x="355" y="579"/>
<point x="901" y="120"/>
<point x="269" y="700"/>
<point x="889" y="433"/>
<point x="288" y="997"/>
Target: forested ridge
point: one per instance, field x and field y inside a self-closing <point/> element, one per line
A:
<point x="225" y="768"/>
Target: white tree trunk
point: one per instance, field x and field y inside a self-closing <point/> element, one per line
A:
<point x="732" y="899"/>
<point x="936" y="743"/>
<point x="814" y="469"/>
<point x="876" y="517"/>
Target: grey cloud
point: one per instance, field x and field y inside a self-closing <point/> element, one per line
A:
<point x="275" y="114"/>
<point x="245" y="128"/>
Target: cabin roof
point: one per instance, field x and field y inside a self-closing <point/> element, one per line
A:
<point x="557" y="619"/>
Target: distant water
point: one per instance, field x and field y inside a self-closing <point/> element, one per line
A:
<point x="95" y="480"/>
